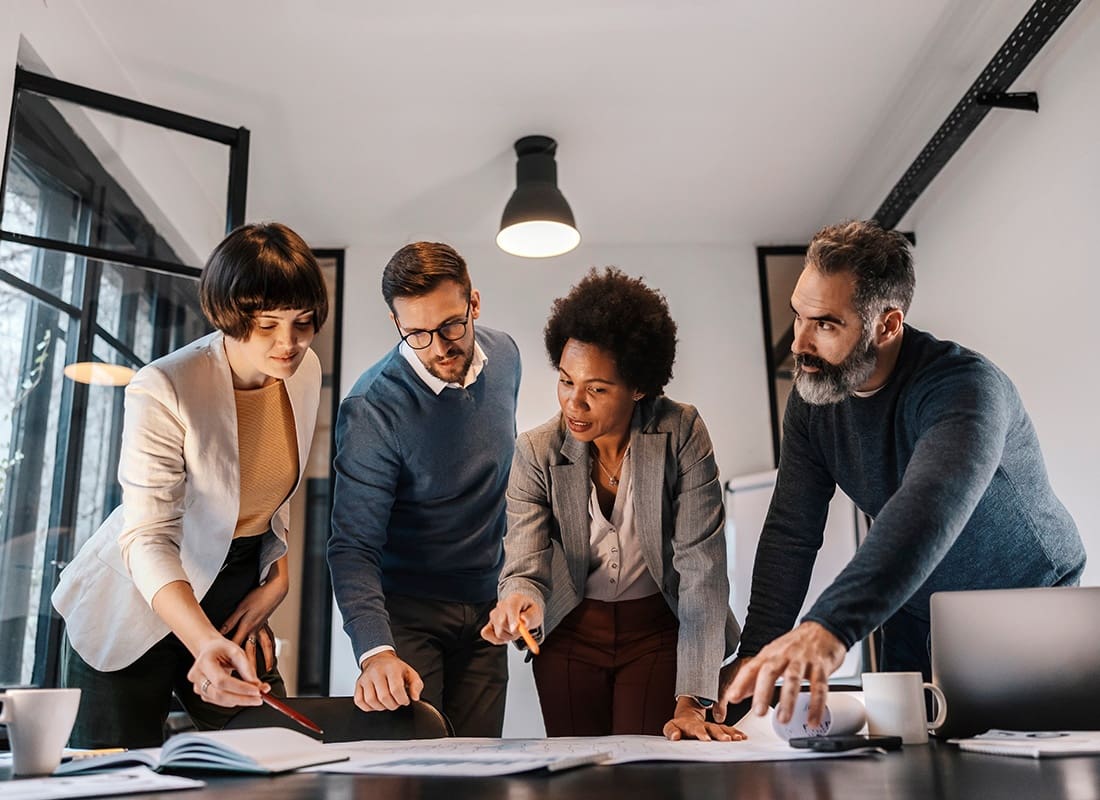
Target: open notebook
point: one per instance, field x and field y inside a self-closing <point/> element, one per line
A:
<point x="262" y="750"/>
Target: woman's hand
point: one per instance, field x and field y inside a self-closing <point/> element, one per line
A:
<point x="503" y="624"/>
<point x="690" y="722"/>
<point x="213" y="678"/>
<point x="216" y="658"/>
<point x="247" y="626"/>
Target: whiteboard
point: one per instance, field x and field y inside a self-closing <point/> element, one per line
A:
<point x="747" y="500"/>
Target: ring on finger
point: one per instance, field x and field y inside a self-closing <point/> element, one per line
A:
<point x="252" y="639"/>
<point x="205" y="686"/>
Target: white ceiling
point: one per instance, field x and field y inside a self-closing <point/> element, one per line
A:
<point x="706" y="121"/>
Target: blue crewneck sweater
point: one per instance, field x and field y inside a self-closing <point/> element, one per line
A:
<point x="945" y="459"/>
<point x="418" y="507"/>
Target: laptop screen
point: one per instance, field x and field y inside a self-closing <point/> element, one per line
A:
<point x="1017" y="659"/>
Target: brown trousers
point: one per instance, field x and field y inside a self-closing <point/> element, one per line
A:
<point x="609" y="668"/>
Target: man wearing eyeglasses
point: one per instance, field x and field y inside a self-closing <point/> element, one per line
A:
<point x="424" y="444"/>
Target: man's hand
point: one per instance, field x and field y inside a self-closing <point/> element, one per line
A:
<point x="386" y="683"/>
<point x="809" y="651"/>
<point x="690" y="722"/>
<point x="725" y="680"/>
<point x="503" y="624"/>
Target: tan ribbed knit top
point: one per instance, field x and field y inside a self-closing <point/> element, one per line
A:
<point x="268" y="445"/>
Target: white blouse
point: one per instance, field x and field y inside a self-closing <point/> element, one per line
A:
<point x="617" y="570"/>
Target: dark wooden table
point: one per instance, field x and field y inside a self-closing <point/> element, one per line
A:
<point x="932" y="771"/>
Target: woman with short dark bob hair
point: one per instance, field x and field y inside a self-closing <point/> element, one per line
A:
<point x="615" y="555"/>
<point x="173" y="592"/>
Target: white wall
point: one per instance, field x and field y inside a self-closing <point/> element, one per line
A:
<point x="1007" y="258"/>
<point x="712" y="293"/>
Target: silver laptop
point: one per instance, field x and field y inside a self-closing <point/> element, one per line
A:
<point x="1018" y="659"/>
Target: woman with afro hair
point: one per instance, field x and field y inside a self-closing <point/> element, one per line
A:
<point x="615" y="557"/>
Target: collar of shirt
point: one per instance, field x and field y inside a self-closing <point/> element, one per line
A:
<point x="435" y="384"/>
<point x="871" y="393"/>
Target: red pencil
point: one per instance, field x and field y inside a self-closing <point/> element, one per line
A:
<point x="283" y="708"/>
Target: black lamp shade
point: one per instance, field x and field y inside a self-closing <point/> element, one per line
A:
<point x="537" y="221"/>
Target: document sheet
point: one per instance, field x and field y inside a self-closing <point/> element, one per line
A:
<point x="468" y="756"/>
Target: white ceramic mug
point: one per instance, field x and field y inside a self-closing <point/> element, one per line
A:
<point x="895" y="705"/>
<point x="39" y="723"/>
<point x="844" y="714"/>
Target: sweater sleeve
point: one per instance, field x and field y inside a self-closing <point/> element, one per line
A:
<point x="791" y="536"/>
<point x="961" y="417"/>
<point x="367" y="466"/>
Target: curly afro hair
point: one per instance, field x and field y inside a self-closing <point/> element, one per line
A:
<point x="623" y="316"/>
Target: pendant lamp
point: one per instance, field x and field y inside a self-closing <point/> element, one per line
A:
<point x="537" y="221"/>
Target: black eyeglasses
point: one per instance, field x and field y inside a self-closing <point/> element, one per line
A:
<point x="449" y="332"/>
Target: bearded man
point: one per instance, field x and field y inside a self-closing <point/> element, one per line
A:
<point x="929" y="439"/>
<point x="424" y="444"/>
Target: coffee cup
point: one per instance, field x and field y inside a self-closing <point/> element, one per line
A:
<point x="895" y="705"/>
<point x="39" y="723"/>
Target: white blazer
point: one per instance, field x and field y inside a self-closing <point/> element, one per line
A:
<point x="180" y="474"/>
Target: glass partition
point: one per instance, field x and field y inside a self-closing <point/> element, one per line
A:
<point x="59" y="438"/>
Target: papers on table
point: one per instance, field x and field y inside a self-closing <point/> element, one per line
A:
<point x="416" y="759"/>
<point x="102" y="784"/>
<point x="461" y="756"/>
<point x="447" y="757"/>
<point x="1033" y="744"/>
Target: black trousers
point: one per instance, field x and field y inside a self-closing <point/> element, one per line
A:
<point x="128" y="707"/>
<point x="464" y="676"/>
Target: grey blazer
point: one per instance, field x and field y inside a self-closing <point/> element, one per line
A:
<point x="678" y="515"/>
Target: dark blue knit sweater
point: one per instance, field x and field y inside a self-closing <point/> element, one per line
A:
<point x="418" y="507"/>
<point x="944" y="458"/>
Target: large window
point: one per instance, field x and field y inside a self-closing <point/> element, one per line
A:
<point x="107" y="206"/>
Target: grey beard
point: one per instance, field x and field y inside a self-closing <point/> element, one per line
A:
<point x="834" y="383"/>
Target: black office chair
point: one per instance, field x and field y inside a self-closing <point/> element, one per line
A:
<point x="342" y="721"/>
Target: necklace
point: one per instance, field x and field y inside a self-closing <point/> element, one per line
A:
<point x="612" y="475"/>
